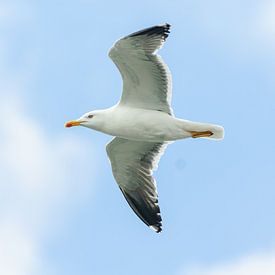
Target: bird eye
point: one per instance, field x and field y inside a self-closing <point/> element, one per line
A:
<point x="90" y="116"/>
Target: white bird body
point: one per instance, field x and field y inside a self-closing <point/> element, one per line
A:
<point x="147" y="125"/>
<point x="142" y="123"/>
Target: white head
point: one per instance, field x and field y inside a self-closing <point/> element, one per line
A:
<point x="93" y="120"/>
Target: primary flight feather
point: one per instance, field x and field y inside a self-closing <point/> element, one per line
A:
<point x="142" y="122"/>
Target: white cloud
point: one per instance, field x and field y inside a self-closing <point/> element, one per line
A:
<point x="13" y="11"/>
<point x="39" y="183"/>
<point x="259" y="264"/>
<point x="243" y="28"/>
<point x="40" y="178"/>
<point x="18" y="255"/>
<point x="267" y="20"/>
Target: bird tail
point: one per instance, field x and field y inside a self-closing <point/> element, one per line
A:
<point x="217" y="130"/>
<point x="211" y="131"/>
<point x="203" y="130"/>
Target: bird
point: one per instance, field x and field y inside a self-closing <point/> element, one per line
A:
<point x="142" y="123"/>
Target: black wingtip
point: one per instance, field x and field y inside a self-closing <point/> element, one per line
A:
<point x="159" y="229"/>
<point x="162" y="30"/>
<point x="156" y="228"/>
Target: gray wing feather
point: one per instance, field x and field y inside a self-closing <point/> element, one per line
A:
<point x="133" y="163"/>
<point x="147" y="81"/>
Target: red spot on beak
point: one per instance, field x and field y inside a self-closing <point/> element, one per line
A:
<point x="72" y="123"/>
<point x="68" y="124"/>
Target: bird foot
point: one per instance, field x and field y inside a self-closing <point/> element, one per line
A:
<point x="201" y="134"/>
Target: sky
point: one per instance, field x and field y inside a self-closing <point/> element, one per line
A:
<point x="61" y="211"/>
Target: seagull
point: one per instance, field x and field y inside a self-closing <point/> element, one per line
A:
<point x="142" y="122"/>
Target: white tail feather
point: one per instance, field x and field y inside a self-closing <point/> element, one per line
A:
<point x="217" y="130"/>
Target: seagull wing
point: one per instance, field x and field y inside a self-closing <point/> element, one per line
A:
<point x="133" y="163"/>
<point x="147" y="82"/>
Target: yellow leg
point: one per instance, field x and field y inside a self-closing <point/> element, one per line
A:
<point x="201" y="134"/>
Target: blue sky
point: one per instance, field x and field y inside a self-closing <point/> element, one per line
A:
<point x="61" y="210"/>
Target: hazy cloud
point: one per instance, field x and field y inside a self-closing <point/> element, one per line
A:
<point x="248" y="265"/>
<point x="243" y="28"/>
<point x="13" y="11"/>
<point x="39" y="184"/>
<point x="39" y="171"/>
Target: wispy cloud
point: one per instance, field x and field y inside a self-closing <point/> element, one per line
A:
<point x="39" y="171"/>
<point x="18" y="252"/>
<point x="243" y="28"/>
<point x="267" y="20"/>
<point x="13" y="11"/>
<point x="248" y="265"/>
<point x="39" y="180"/>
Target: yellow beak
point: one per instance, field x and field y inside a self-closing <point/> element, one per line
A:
<point x="72" y="123"/>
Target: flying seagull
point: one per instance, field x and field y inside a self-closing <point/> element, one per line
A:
<point x="142" y="122"/>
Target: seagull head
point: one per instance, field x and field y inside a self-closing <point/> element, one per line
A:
<point x="89" y="120"/>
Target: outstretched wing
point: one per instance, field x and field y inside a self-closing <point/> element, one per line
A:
<point x="133" y="163"/>
<point x="146" y="78"/>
